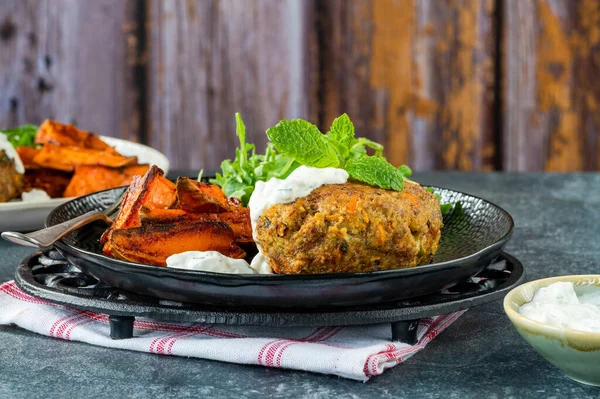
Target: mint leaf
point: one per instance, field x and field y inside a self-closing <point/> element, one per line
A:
<point x="375" y="171"/>
<point x="342" y="131"/>
<point x="405" y="171"/>
<point x="302" y="141"/>
<point x="340" y="149"/>
<point x="362" y="143"/>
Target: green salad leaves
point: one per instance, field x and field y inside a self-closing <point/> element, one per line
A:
<point x="239" y="176"/>
<point x="298" y="142"/>
<point x="22" y="136"/>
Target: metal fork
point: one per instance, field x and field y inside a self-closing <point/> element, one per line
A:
<point x="45" y="238"/>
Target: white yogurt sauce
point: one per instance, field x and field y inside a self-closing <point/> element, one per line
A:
<point x="209" y="261"/>
<point x="299" y="183"/>
<point x="558" y="305"/>
<point x="34" y="195"/>
<point x="11" y="153"/>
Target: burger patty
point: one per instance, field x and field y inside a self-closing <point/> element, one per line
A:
<point x="351" y="227"/>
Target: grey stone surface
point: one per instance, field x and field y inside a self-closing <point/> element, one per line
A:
<point x="557" y="233"/>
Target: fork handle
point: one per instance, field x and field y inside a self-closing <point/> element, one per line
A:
<point x="45" y="238"/>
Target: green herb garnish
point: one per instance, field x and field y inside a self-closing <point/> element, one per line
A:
<point x="303" y="142"/>
<point x="22" y="136"/>
<point x="446" y="208"/>
<point x="298" y="142"/>
<point x="239" y="176"/>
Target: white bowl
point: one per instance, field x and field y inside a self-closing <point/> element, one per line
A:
<point x="26" y="216"/>
<point x="576" y="353"/>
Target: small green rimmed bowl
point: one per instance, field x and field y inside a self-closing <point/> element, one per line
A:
<point x="576" y="353"/>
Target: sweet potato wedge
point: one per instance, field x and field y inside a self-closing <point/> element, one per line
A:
<point x="66" y="158"/>
<point x="154" y="243"/>
<point x="27" y="154"/>
<point x="88" y="179"/>
<point x="52" y="132"/>
<point x="198" y="197"/>
<point x="53" y="182"/>
<point x="152" y="190"/>
<point x="238" y="220"/>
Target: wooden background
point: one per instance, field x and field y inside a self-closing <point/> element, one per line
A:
<point x="457" y="84"/>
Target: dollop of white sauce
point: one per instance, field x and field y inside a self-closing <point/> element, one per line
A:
<point x="11" y="152"/>
<point x="299" y="183"/>
<point x="35" y="195"/>
<point x="559" y="305"/>
<point x="260" y="264"/>
<point x="209" y="261"/>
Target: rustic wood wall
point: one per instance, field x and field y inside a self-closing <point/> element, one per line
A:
<point x="444" y="84"/>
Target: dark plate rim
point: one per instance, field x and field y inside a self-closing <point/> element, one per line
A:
<point x="295" y="277"/>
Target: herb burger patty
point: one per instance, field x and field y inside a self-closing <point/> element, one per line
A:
<point x="351" y="227"/>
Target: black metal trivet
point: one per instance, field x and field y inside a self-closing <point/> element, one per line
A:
<point x="46" y="275"/>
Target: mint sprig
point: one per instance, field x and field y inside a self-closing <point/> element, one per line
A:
<point x="298" y="142"/>
<point x="339" y="148"/>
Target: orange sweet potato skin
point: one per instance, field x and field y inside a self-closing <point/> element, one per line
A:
<point x="238" y="220"/>
<point x="154" y="243"/>
<point x="88" y="179"/>
<point x="52" y="132"/>
<point x="152" y="190"/>
<point x="159" y="218"/>
<point x="53" y="182"/>
<point x="197" y="197"/>
<point x="27" y="154"/>
<point x="67" y="158"/>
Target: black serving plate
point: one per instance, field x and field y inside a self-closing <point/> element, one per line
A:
<point x="471" y="239"/>
<point x="46" y="275"/>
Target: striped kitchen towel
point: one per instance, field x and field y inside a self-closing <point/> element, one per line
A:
<point x="356" y="352"/>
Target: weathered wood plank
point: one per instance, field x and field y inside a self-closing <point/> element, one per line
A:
<point x="69" y="60"/>
<point x="551" y="87"/>
<point x="418" y="76"/>
<point x="210" y="59"/>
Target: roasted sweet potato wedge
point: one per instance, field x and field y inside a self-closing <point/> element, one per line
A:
<point x="152" y="190"/>
<point x="154" y="243"/>
<point x="52" y="132"/>
<point x="27" y="154"/>
<point x="198" y="197"/>
<point x="238" y="220"/>
<point x="89" y="179"/>
<point x="53" y="182"/>
<point x="67" y="158"/>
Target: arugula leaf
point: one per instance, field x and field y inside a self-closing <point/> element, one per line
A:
<point x="22" y="136"/>
<point x="302" y="141"/>
<point x="239" y="176"/>
<point x="375" y="171"/>
<point x="446" y="208"/>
